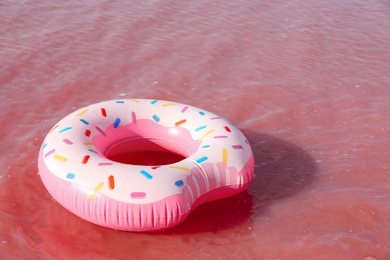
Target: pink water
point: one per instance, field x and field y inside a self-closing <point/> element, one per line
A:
<point x="308" y="82"/>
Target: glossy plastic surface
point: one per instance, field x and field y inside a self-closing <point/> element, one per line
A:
<point x="140" y="165"/>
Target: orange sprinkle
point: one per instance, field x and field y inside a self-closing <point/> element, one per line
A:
<point x="135" y="100"/>
<point x="111" y="183"/>
<point x="89" y="143"/>
<point x="180" y="122"/>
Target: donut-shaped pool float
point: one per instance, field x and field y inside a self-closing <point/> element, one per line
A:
<point x="143" y="165"/>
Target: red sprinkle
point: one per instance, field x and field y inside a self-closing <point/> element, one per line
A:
<point x="85" y="159"/>
<point x="103" y="112"/>
<point x="227" y="129"/>
<point x="87" y="132"/>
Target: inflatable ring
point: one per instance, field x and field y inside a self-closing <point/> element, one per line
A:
<point x="142" y="165"/>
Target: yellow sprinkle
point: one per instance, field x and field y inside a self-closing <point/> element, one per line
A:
<point x="179" y="168"/>
<point x="203" y="137"/>
<point x="82" y="112"/>
<point x="169" y="104"/>
<point x="89" y="143"/>
<point x="224" y="155"/>
<point x="135" y="100"/>
<point x="97" y="188"/>
<point x="60" y="158"/>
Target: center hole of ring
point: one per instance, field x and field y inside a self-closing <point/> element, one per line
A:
<point x="146" y="151"/>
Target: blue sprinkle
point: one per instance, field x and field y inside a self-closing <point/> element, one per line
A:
<point x="179" y="183"/>
<point x="84" y="121"/>
<point x="156" y="118"/>
<point x="117" y="122"/>
<point x="202" y="159"/>
<point x="246" y="141"/>
<point x="65" y="129"/>
<point x="154" y="102"/>
<point x="202" y="113"/>
<point x="205" y="146"/>
<point x="92" y="151"/>
<point x="200" y="128"/>
<point x="44" y="145"/>
<point x="146" y="174"/>
<point x="120" y="102"/>
<point x="70" y="175"/>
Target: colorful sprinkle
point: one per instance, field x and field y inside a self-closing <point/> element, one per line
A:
<point x="111" y="182"/>
<point x="97" y="188"/>
<point x="85" y="159"/>
<point x="82" y="112"/>
<point x="93" y="151"/>
<point x="89" y="143"/>
<point x="179" y="168"/>
<point x="237" y="146"/>
<point x="44" y="146"/>
<point x="227" y="129"/>
<point x="65" y="129"/>
<point x="60" y="158"/>
<point x="138" y="195"/>
<point x="216" y="117"/>
<point x="154" y="102"/>
<point x="117" y="122"/>
<point x="146" y="174"/>
<point x="202" y="159"/>
<point x="179" y="183"/>
<point x="203" y="137"/>
<point x="87" y="133"/>
<point x="169" y="104"/>
<point x="70" y="175"/>
<point x="103" y="112"/>
<point x="120" y="102"/>
<point x="105" y="163"/>
<point x="200" y="128"/>
<point x="67" y="141"/>
<point x="246" y="141"/>
<point x="100" y="130"/>
<point x="180" y="122"/>
<point x="220" y="136"/>
<point x="224" y="156"/>
<point x="202" y="113"/>
<point x="184" y="109"/>
<point x="135" y="100"/>
<point x="49" y="152"/>
<point x="134" y="117"/>
<point x="156" y="167"/>
<point x="205" y="146"/>
<point x="156" y="118"/>
<point x="84" y="121"/>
